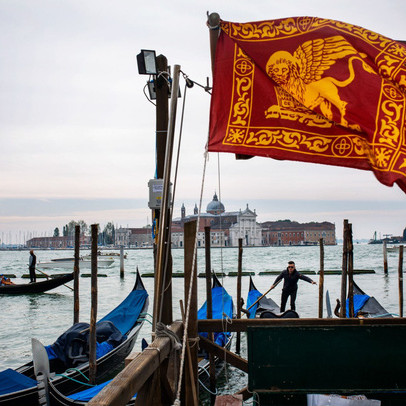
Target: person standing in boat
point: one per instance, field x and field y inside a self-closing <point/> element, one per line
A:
<point x="290" y="278"/>
<point x="31" y="266"/>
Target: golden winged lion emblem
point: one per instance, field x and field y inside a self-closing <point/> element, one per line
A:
<point x="302" y="86"/>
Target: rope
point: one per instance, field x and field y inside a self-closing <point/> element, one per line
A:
<point x="182" y="358"/>
<point x="162" y="331"/>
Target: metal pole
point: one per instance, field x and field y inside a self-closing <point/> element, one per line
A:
<point x="164" y="220"/>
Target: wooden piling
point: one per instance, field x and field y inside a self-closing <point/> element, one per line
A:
<point x="189" y="269"/>
<point x="76" y="303"/>
<point x="212" y="365"/>
<point x="350" y="249"/>
<point x="93" y="310"/>
<point x="400" y="278"/>
<point x="121" y="261"/>
<point x="238" y="342"/>
<point x="321" y="278"/>
<point x="385" y="258"/>
<point x="344" y="271"/>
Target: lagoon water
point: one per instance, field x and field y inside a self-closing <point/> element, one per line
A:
<point x="45" y="316"/>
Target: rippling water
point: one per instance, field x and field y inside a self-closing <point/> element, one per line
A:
<point x="45" y="316"/>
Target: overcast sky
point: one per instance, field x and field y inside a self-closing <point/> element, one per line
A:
<point x="77" y="136"/>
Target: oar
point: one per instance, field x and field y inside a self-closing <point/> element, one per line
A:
<point x="272" y="287"/>
<point x="49" y="277"/>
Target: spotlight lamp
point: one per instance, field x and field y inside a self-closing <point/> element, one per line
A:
<point x="146" y="61"/>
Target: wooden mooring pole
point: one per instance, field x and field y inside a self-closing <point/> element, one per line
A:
<point x="212" y="365"/>
<point x="121" y="261"/>
<point x="344" y="271"/>
<point x="321" y="278"/>
<point x="350" y="248"/>
<point x="400" y="277"/>
<point x="385" y="258"/>
<point x="239" y="304"/>
<point x="93" y="310"/>
<point x="76" y="303"/>
<point x="190" y="270"/>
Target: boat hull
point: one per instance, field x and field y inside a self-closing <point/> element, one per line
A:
<point x="36" y="287"/>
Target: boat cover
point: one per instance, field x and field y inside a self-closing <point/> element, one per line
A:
<point x="72" y="346"/>
<point x="12" y="381"/>
<point x="222" y="303"/>
<point x="253" y="295"/>
<point x="127" y="313"/>
<point x="359" y="301"/>
<point x="88" y="394"/>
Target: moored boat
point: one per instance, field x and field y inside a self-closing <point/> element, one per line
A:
<point x="222" y="307"/>
<point x="366" y="306"/>
<point x="68" y="263"/>
<point x="36" y="287"/>
<point x="265" y="307"/>
<point x="116" y="332"/>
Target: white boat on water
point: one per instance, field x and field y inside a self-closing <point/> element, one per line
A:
<point x="394" y="248"/>
<point x="68" y="263"/>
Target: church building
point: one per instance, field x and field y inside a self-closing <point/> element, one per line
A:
<point x="226" y="228"/>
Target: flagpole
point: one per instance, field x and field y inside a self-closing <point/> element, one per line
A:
<point x="213" y="22"/>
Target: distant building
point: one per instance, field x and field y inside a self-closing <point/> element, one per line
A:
<point x="134" y="237"/>
<point x="286" y="232"/>
<point x="57" y="242"/>
<point x="226" y="228"/>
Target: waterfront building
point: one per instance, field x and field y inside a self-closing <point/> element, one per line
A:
<point x="134" y="237"/>
<point x="226" y="228"/>
<point x="61" y="242"/>
<point x="287" y="232"/>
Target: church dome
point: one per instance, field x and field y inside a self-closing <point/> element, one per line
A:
<point x="215" y="207"/>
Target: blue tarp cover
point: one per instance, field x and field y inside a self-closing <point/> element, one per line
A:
<point x="253" y="295"/>
<point x="222" y="302"/>
<point x="12" y="381"/>
<point x="127" y="313"/>
<point x="359" y="301"/>
<point x="88" y="394"/>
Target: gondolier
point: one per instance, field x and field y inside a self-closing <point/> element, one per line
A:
<point x="290" y="278"/>
<point x="31" y="266"/>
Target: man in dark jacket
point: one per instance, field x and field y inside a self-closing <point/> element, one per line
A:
<point x="31" y="265"/>
<point x="290" y="278"/>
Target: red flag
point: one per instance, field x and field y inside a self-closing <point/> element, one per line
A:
<point x="313" y="90"/>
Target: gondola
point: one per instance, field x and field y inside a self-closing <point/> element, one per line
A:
<point x="36" y="287"/>
<point x="266" y="308"/>
<point x="366" y="306"/>
<point x="19" y="387"/>
<point x="222" y="306"/>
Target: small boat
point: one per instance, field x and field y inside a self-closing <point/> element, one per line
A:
<point x="366" y="306"/>
<point x="116" y="335"/>
<point x="266" y="308"/>
<point x="394" y="248"/>
<point x="36" y="287"/>
<point x="222" y="307"/>
<point x="68" y="263"/>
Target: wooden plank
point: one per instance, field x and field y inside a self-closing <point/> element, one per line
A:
<point x="229" y="400"/>
<point x="224" y="354"/>
<point x="131" y="379"/>
<point x="242" y="324"/>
